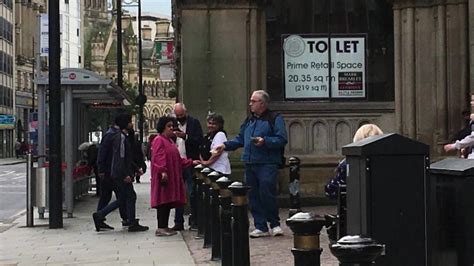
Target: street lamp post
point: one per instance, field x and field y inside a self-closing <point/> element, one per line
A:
<point x="141" y="98"/>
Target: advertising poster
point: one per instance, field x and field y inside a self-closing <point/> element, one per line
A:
<point x="323" y="67"/>
<point x="44" y="35"/>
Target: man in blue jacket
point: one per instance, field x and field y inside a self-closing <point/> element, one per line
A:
<point x="104" y="163"/>
<point x="262" y="135"/>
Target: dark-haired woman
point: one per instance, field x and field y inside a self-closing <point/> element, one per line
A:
<point x="167" y="185"/>
<point x="216" y="136"/>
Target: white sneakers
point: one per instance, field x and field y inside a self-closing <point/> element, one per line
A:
<point x="276" y="231"/>
<point x="258" y="233"/>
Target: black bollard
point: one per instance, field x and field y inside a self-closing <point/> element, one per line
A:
<point x="294" y="186"/>
<point x="356" y="250"/>
<point x="225" y="217"/>
<point x="195" y="211"/>
<point x="306" y="229"/>
<point x="214" y="222"/>
<point x="206" y="210"/>
<point x="240" y="224"/>
<point x="199" y="201"/>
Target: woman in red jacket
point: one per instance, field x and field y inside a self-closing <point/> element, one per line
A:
<point x="167" y="185"/>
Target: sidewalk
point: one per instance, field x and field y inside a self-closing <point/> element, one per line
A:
<point x="78" y="243"/>
<point x="12" y="160"/>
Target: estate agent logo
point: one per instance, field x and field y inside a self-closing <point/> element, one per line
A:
<point x="294" y="46"/>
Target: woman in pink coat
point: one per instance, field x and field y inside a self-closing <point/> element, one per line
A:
<point x="167" y="185"/>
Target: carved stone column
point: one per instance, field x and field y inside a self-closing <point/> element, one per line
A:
<point x="431" y="68"/>
<point x="221" y="53"/>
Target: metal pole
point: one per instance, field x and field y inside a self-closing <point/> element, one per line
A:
<point x="68" y="151"/>
<point x="29" y="191"/>
<point x="41" y="91"/>
<point x="140" y="73"/>
<point x="33" y="74"/>
<point x="119" y="44"/>
<point x="55" y="178"/>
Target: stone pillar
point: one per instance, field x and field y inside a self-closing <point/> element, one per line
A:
<point x="222" y="53"/>
<point x="431" y="69"/>
<point x="471" y="46"/>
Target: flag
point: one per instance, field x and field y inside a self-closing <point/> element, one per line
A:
<point x="164" y="51"/>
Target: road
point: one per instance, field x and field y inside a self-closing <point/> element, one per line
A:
<point x="12" y="192"/>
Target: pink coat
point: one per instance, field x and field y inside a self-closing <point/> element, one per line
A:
<point x="165" y="158"/>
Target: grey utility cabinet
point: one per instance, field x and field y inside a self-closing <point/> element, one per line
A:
<point x="387" y="195"/>
<point x="452" y="202"/>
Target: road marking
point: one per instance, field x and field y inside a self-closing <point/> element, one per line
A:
<point x="7" y="173"/>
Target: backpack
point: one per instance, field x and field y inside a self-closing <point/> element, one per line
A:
<point x="271" y="116"/>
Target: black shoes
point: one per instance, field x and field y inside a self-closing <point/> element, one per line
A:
<point x="105" y="226"/>
<point x="125" y="223"/>
<point x="136" y="227"/>
<point x="98" y="221"/>
<point x="178" y="227"/>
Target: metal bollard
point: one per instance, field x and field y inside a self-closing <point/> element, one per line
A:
<point x="196" y="187"/>
<point x="206" y="210"/>
<point x="356" y="250"/>
<point x="306" y="229"/>
<point x="225" y="217"/>
<point x="199" y="202"/>
<point x="294" y="186"/>
<point x="240" y="224"/>
<point x="214" y="222"/>
<point x="29" y="190"/>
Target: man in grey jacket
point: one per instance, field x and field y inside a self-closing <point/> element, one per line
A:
<point x="122" y="173"/>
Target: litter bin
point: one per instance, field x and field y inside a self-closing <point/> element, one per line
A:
<point x="40" y="179"/>
<point x="452" y="201"/>
<point x="386" y="196"/>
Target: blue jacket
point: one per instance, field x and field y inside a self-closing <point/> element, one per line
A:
<point x="104" y="157"/>
<point x="275" y="139"/>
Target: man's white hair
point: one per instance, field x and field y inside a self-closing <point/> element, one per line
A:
<point x="263" y="95"/>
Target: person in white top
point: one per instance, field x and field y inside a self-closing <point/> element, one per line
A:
<point x="219" y="161"/>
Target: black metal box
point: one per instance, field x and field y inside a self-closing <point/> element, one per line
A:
<point x="452" y="201"/>
<point x="386" y="196"/>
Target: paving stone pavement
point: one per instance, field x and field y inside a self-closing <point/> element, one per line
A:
<point x="79" y="244"/>
<point x="267" y="250"/>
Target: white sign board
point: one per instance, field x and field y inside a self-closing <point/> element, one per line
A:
<point x="314" y="65"/>
<point x="44" y="35"/>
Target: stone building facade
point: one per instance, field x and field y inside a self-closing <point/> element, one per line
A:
<point x="7" y="74"/>
<point x="103" y="60"/>
<point x="418" y="54"/>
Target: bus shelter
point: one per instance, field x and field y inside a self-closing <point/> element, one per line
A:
<point x="80" y="90"/>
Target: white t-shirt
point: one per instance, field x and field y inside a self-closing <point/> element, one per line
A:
<point x="222" y="164"/>
<point x="181" y="143"/>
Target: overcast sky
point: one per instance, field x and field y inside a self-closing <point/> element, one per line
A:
<point x="154" y="6"/>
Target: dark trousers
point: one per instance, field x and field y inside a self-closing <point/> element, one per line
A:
<point x="163" y="215"/>
<point x="126" y="199"/>
<point x="188" y="180"/>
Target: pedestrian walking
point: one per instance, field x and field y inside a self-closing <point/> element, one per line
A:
<point x="107" y="186"/>
<point x="263" y="137"/>
<point x="167" y="185"/>
<point x="122" y="173"/>
<point x="189" y="138"/>
<point x="17" y="148"/>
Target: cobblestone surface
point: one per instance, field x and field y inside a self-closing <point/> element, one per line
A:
<point x="267" y="250"/>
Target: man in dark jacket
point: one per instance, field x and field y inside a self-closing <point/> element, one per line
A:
<point x="104" y="162"/>
<point x="262" y="140"/>
<point x="122" y="172"/>
<point x="190" y="131"/>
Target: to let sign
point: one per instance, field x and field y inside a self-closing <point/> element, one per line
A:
<point x="324" y="67"/>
